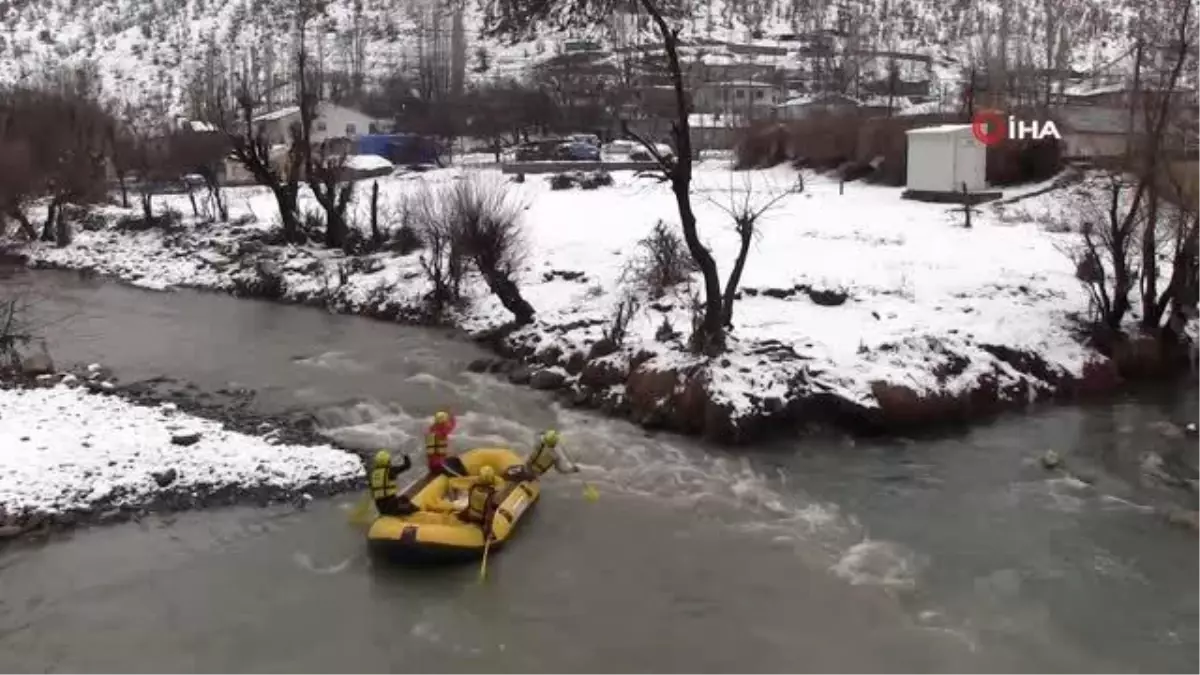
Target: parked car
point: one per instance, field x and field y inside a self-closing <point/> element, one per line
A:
<point x="640" y="154"/>
<point x="620" y="147"/>
<point x="590" y="139"/>
<point x="576" y="151"/>
<point x="539" y="151"/>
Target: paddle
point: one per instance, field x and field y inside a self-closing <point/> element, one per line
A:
<point x="590" y="492"/>
<point x="363" y="512"/>
<point x="487" y="544"/>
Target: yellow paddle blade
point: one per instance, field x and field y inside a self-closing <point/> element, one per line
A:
<point x="483" y="564"/>
<point x="590" y="492"/>
<point x="363" y="511"/>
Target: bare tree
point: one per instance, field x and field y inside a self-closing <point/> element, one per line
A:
<point x="1158" y="107"/>
<point x="746" y="207"/>
<point x="521" y="17"/>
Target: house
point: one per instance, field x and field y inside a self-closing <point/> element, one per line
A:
<point x="803" y="107"/>
<point x="1091" y="132"/>
<point x="748" y="98"/>
<point x="942" y="160"/>
<point x="331" y="121"/>
<point x="715" y="131"/>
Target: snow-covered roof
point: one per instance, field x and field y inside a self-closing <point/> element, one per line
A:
<point x="278" y="114"/>
<point x="367" y="163"/>
<point x="941" y="129"/>
<point x="715" y="121"/>
<point x="819" y="99"/>
<point x="742" y="83"/>
<point x="1085" y="90"/>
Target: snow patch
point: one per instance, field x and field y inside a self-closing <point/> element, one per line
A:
<point x="65" y="449"/>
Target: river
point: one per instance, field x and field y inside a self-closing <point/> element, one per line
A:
<point x="955" y="553"/>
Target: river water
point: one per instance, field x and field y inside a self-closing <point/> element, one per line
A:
<point x="956" y="553"/>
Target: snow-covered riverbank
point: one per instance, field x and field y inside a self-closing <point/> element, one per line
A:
<point x="860" y="303"/>
<point x="70" y="456"/>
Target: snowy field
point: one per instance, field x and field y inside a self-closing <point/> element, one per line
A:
<point x="65" y="450"/>
<point x="922" y="290"/>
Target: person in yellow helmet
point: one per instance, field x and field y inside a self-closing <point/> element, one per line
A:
<point x="382" y="482"/>
<point x="546" y="455"/>
<point x="481" y="497"/>
<point x="437" y="446"/>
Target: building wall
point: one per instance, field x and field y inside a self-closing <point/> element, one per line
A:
<point x="331" y="122"/>
<point x="1082" y="145"/>
<point x="750" y="101"/>
<point x="943" y="162"/>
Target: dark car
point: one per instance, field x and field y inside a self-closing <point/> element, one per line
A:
<point x="578" y="151"/>
<point x="539" y="151"/>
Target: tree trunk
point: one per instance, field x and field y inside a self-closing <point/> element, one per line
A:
<point x="709" y="338"/>
<point x="48" y="225"/>
<point x="746" y="234"/>
<point x="124" y="189"/>
<point x="376" y="235"/>
<point x="62" y="230"/>
<point x="147" y="207"/>
<point x="27" y="227"/>
<point x="509" y="294"/>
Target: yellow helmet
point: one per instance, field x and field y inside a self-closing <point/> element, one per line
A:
<point x="487" y="474"/>
<point x="550" y="438"/>
<point x="441" y="417"/>
<point x="383" y="457"/>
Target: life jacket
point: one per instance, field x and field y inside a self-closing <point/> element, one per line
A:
<point x="479" y="500"/>
<point x="382" y="484"/>
<point x="436" y="444"/>
<point x="542" y="459"/>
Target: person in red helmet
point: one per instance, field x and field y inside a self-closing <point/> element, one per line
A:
<point x="437" y="446"/>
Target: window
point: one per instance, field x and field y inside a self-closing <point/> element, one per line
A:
<point x="759" y="94"/>
<point x="320" y="125"/>
<point x="350" y="130"/>
<point x="741" y="93"/>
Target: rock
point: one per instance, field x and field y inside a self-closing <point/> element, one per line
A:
<point x="38" y="363"/>
<point x="603" y="347"/>
<point x="186" y="439"/>
<point x="479" y="365"/>
<point x="576" y="362"/>
<point x="547" y="379"/>
<point x="604" y="372"/>
<point x="1051" y="460"/>
<point x="549" y="356"/>
<point x="9" y="531"/>
<point x="165" y="478"/>
<point x="900" y="406"/>
<point x="520" y="375"/>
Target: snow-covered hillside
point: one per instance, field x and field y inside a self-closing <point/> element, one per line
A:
<point x="152" y="47"/>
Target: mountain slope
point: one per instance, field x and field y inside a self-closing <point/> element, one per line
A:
<point x="146" y="48"/>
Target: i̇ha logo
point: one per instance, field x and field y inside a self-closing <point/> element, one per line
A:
<point x="992" y="128"/>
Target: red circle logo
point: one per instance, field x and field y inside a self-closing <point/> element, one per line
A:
<point x="988" y="127"/>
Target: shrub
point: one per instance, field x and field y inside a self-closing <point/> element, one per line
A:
<point x="405" y="240"/>
<point x="596" y="179"/>
<point x="487" y="223"/>
<point x="623" y="313"/>
<point x="562" y="181"/>
<point x="265" y="281"/>
<point x="661" y="262"/>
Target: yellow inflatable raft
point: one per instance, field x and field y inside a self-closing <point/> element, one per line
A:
<point x="427" y="536"/>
